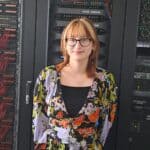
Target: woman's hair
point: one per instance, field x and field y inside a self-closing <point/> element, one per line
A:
<point x="80" y="27"/>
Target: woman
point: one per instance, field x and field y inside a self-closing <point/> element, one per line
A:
<point x="74" y="103"/>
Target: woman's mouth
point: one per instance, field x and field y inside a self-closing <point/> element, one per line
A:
<point x="78" y="52"/>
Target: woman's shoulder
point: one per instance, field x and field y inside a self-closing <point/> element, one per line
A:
<point x="104" y="75"/>
<point x="48" y="71"/>
<point x="49" y="68"/>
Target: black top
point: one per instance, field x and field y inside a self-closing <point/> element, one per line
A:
<point x="74" y="98"/>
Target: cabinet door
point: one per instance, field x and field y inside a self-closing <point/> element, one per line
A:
<point x="115" y="59"/>
<point x="27" y="72"/>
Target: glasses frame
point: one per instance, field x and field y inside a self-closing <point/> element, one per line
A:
<point x="80" y="41"/>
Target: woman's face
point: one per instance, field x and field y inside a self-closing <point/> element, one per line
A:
<point x="79" y="47"/>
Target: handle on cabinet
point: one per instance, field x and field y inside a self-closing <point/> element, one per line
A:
<point x="28" y="92"/>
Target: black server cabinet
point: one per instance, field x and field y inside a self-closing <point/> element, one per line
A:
<point x="134" y="109"/>
<point x="10" y="66"/>
<point x="17" y="41"/>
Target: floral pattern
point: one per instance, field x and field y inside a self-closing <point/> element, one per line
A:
<point x="53" y="129"/>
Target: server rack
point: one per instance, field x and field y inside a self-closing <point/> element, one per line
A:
<point x="133" y="125"/>
<point x="10" y="66"/>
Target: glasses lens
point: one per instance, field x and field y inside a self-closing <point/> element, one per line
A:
<point x="84" y="41"/>
<point x="71" y="41"/>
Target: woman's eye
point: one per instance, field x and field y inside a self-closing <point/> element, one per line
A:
<point x="84" y="40"/>
<point x="73" y="40"/>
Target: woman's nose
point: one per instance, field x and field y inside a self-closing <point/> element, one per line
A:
<point x="78" y="44"/>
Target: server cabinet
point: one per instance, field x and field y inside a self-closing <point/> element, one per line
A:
<point x="134" y="111"/>
<point x="10" y="66"/>
<point x="17" y="41"/>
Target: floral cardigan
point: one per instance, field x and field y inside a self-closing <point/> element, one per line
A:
<point x="53" y="129"/>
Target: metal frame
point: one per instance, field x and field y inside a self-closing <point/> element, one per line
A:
<point x="27" y="64"/>
<point x="42" y="30"/>
<point x="117" y="37"/>
<point x="115" y="57"/>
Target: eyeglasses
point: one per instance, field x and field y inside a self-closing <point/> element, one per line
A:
<point x="83" y="41"/>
